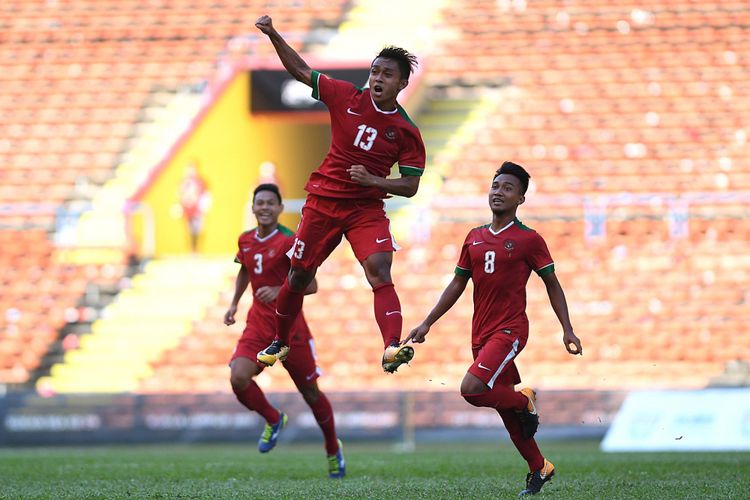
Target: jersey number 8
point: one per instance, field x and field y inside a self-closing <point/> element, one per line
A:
<point x="489" y="262"/>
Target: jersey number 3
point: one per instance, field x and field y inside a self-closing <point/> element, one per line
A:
<point x="365" y="144"/>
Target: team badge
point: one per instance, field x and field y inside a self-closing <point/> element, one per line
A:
<point x="390" y="133"/>
<point x="271" y="253"/>
<point x="509" y="245"/>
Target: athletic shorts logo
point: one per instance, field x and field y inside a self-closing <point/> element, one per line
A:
<point x="392" y="312"/>
<point x="480" y="365"/>
<point x="381" y="240"/>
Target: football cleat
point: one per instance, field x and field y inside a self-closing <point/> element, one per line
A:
<point x="528" y="416"/>
<point x="270" y="434"/>
<point x="277" y="351"/>
<point x="535" y="480"/>
<point x="396" y="355"/>
<point x="336" y="463"/>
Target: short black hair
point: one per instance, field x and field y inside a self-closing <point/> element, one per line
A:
<point x="516" y="171"/>
<point x="407" y="62"/>
<point x="267" y="187"/>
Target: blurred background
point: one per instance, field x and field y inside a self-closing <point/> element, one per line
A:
<point x="132" y="134"/>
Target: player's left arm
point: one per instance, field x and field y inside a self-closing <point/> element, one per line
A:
<point x="560" y="306"/>
<point x="406" y="185"/>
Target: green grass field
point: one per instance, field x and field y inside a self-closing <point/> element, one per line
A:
<point x="374" y="471"/>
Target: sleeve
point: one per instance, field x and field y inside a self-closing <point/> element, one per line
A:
<point x="539" y="258"/>
<point x="289" y="247"/>
<point x="412" y="156"/>
<point x="329" y="90"/>
<point x="463" y="268"/>
<point x="238" y="255"/>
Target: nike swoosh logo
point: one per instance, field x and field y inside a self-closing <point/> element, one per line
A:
<point x="480" y="365"/>
<point x="392" y="312"/>
<point x="381" y="240"/>
<point x="476" y="242"/>
<point x="349" y="110"/>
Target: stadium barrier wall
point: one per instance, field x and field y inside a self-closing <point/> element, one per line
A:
<point x="702" y="420"/>
<point x="28" y="419"/>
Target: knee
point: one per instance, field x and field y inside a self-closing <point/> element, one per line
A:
<point x="299" y="280"/>
<point x="310" y="393"/>
<point x="379" y="274"/>
<point x="472" y="385"/>
<point x="239" y="382"/>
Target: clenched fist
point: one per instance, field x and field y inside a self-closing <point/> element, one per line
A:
<point x="265" y="24"/>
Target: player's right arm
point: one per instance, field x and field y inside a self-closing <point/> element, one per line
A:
<point x="294" y="64"/>
<point x="447" y="299"/>
<point x="240" y="285"/>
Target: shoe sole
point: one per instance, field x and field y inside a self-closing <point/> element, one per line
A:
<point x="404" y="355"/>
<point x="264" y="362"/>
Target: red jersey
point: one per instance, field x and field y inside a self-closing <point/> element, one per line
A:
<point x="499" y="264"/>
<point x="362" y="134"/>
<point x="267" y="265"/>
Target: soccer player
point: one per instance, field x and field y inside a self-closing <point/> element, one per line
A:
<point x="499" y="258"/>
<point x="370" y="132"/>
<point x="264" y="264"/>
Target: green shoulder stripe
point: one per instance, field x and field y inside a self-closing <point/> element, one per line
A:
<point x="481" y="227"/>
<point x="403" y="113"/>
<point x="315" y="90"/>
<point x="248" y="231"/>
<point x="463" y="272"/>
<point x="285" y="230"/>
<point x="413" y="171"/>
<point x="522" y="226"/>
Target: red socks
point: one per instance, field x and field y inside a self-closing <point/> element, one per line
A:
<point x="288" y="306"/>
<point x="323" y="413"/>
<point x="254" y="399"/>
<point x="500" y="397"/>
<point x="388" y="313"/>
<point x="526" y="447"/>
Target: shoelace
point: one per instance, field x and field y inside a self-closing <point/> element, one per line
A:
<point x="333" y="464"/>
<point x="267" y="433"/>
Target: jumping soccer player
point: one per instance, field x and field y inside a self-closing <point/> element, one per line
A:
<point x="370" y="132"/>
<point x="264" y="264"/>
<point x="499" y="258"/>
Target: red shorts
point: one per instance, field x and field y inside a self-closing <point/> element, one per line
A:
<point x="493" y="361"/>
<point x="301" y="362"/>
<point x="325" y="220"/>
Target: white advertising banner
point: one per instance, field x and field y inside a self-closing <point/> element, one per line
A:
<point x="700" y="420"/>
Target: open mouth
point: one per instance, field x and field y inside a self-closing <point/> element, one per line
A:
<point x="378" y="89"/>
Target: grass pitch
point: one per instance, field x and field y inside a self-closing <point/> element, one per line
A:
<point x="468" y="470"/>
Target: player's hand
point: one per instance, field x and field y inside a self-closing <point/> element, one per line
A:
<point x="360" y="175"/>
<point x="265" y="24"/>
<point x="418" y="334"/>
<point x="572" y="343"/>
<point x="229" y="315"/>
<point x="267" y="294"/>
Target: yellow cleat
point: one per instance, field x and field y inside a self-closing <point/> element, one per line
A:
<point x="395" y="356"/>
<point x="277" y="351"/>
<point x="535" y="480"/>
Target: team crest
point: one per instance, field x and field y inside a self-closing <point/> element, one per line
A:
<point x="509" y="245"/>
<point x="390" y="133"/>
<point x="271" y="253"/>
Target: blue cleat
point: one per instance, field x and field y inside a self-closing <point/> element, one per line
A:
<point x="270" y="434"/>
<point x="336" y="463"/>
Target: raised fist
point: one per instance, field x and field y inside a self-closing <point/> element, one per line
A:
<point x="264" y="24"/>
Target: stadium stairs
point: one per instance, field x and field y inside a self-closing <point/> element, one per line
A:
<point x="143" y="321"/>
